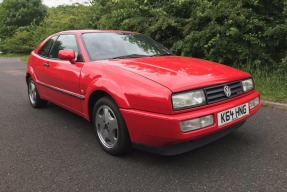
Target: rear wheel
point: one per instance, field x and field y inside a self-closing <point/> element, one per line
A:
<point x="34" y="96"/>
<point x="110" y="128"/>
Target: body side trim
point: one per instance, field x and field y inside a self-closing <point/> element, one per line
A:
<point x="81" y="97"/>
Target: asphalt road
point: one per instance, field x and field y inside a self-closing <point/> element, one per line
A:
<point x="52" y="149"/>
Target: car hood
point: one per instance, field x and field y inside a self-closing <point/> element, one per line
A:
<point x="180" y="73"/>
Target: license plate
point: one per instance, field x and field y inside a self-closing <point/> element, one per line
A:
<point x="232" y="114"/>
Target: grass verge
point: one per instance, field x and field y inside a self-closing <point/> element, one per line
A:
<point x="272" y="86"/>
<point x="23" y="58"/>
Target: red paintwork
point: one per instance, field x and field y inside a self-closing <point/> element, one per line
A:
<point x="142" y="89"/>
<point x="68" y="55"/>
<point x="160" y="129"/>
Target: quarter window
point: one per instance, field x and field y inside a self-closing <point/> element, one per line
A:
<point x="45" y="50"/>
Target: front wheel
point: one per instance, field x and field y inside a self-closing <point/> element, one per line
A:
<point x="34" y="96"/>
<point x="110" y="128"/>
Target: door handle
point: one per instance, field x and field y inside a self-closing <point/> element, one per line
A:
<point x="46" y="65"/>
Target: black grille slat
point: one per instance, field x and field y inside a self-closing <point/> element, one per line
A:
<point x="216" y="93"/>
<point x="235" y="86"/>
<point x="216" y="96"/>
<point x="236" y="89"/>
<point x="213" y="91"/>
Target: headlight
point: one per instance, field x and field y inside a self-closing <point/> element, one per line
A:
<point x="188" y="99"/>
<point x="247" y="85"/>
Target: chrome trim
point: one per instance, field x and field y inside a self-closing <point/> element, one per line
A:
<point x="227" y="90"/>
<point x="63" y="91"/>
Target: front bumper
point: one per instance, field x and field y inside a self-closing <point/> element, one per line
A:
<point x="160" y="130"/>
<point x="183" y="147"/>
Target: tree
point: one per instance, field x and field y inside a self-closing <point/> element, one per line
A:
<point x="19" y="13"/>
<point x="20" y="43"/>
<point x="61" y="18"/>
<point x="234" y="32"/>
<point x="237" y="32"/>
<point x="162" y="20"/>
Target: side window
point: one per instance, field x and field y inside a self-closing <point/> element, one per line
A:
<point x="64" y="42"/>
<point x="45" y="50"/>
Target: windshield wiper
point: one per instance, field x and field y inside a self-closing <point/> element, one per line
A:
<point x="129" y="56"/>
<point x="162" y="54"/>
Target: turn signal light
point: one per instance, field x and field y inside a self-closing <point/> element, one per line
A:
<point x="253" y="103"/>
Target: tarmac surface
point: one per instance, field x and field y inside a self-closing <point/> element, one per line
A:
<point x="53" y="149"/>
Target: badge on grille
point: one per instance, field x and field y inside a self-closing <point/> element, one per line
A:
<point x="227" y="91"/>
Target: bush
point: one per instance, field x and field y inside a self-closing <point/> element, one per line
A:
<point x="19" y="43"/>
<point x="233" y="32"/>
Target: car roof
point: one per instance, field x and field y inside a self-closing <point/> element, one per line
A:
<point x="94" y="31"/>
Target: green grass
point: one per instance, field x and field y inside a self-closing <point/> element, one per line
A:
<point x="272" y="86"/>
<point x="23" y="58"/>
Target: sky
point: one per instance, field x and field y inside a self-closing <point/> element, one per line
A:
<point x="54" y="3"/>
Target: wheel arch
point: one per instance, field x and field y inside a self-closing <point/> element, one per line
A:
<point x="104" y="87"/>
<point x="28" y="75"/>
<point x="93" y="98"/>
<point x="98" y="94"/>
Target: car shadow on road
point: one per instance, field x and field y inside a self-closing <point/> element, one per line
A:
<point x="228" y="148"/>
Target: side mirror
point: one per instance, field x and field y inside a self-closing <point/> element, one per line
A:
<point x="68" y="55"/>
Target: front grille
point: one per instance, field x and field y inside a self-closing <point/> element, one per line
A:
<point x="216" y="93"/>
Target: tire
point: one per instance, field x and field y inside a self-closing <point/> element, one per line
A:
<point x="110" y="128"/>
<point x="34" y="96"/>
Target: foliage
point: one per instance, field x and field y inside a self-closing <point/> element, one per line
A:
<point x="62" y="18"/>
<point x="19" y="43"/>
<point x="19" y="13"/>
<point x="163" y="23"/>
<point x="242" y="32"/>
<point x="234" y="32"/>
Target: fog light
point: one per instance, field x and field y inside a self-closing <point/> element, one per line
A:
<point x="254" y="102"/>
<point x="206" y="121"/>
<point x="193" y="124"/>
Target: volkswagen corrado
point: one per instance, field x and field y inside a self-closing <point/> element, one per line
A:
<point x="136" y="93"/>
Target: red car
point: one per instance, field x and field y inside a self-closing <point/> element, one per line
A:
<point x="137" y="93"/>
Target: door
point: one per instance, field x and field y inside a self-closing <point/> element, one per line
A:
<point x="61" y="78"/>
<point x="40" y="66"/>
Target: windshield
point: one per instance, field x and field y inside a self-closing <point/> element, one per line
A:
<point x="103" y="46"/>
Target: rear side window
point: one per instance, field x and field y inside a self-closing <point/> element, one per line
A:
<point x="45" y="50"/>
<point x="64" y="42"/>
